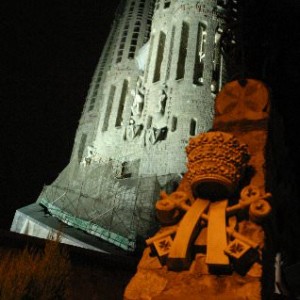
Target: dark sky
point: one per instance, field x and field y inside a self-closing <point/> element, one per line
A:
<point x="49" y="50"/>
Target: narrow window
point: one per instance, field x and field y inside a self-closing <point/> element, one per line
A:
<point x="134" y="39"/>
<point x="193" y="126"/>
<point x="149" y="122"/>
<point x="173" y="123"/>
<point x="216" y="70"/>
<point x="109" y="107"/>
<point x="124" y="34"/>
<point x="125" y="172"/>
<point x="182" y="50"/>
<point x="159" y="56"/>
<point x="81" y="146"/>
<point x="167" y="3"/>
<point x="149" y="58"/>
<point x="119" y="121"/>
<point x="170" y="53"/>
<point x="200" y="55"/>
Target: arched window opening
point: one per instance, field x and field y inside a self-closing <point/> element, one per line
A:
<point x="170" y="56"/>
<point x="134" y="39"/>
<point x="200" y="55"/>
<point x="81" y="146"/>
<point x="182" y="51"/>
<point x="119" y="120"/>
<point x="173" y="123"/>
<point x="148" y="30"/>
<point x="125" y="33"/>
<point x="92" y="104"/>
<point x="167" y="3"/>
<point x="159" y="56"/>
<point x="109" y="104"/>
<point x="193" y="126"/>
<point x="149" y="58"/>
<point x="216" y="81"/>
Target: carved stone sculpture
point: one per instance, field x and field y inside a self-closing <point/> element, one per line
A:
<point x="242" y="100"/>
<point x="138" y="99"/>
<point x="132" y="131"/>
<point x="213" y="224"/>
<point x="162" y="101"/>
<point x="216" y="163"/>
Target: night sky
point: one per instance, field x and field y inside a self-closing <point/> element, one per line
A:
<point x="49" y="50"/>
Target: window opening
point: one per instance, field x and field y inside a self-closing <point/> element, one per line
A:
<point x="149" y="58"/>
<point x="119" y="121"/>
<point x="159" y="56"/>
<point x="92" y="104"/>
<point x="173" y="123"/>
<point x="109" y="107"/>
<point x="217" y="60"/>
<point x="193" y="125"/>
<point x="182" y="51"/>
<point x="170" y="53"/>
<point x="200" y="55"/>
<point x="167" y="3"/>
<point x="81" y="146"/>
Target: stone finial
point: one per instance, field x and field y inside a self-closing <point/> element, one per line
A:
<point x="216" y="163"/>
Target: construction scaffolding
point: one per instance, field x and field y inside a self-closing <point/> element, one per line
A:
<point x="117" y="210"/>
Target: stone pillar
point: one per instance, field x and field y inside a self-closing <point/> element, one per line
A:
<point x="240" y="123"/>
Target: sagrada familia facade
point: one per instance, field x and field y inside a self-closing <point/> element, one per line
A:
<point x="153" y="88"/>
<point x="173" y="154"/>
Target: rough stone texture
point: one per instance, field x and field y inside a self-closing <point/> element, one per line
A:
<point x="176" y="101"/>
<point x="197" y="282"/>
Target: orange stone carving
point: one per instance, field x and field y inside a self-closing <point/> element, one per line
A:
<point x="216" y="163"/>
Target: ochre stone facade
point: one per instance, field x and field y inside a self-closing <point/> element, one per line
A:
<point x="214" y="247"/>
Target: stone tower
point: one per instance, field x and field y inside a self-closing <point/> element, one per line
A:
<point x="153" y="88"/>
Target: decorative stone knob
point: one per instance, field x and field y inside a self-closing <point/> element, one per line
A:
<point x="216" y="163"/>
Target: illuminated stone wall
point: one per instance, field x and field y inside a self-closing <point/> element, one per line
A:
<point x="153" y="89"/>
<point x="176" y="84"/>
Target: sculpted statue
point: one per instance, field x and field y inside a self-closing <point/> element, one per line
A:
<point x="138" y="99"/>
<point x="162" y="100"/>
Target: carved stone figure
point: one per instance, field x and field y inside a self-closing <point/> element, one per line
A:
<point x="162" y="100"/>
<point x="133" y="130"/>
<point x="156" y="134"/>
<point x="138" y="99"/>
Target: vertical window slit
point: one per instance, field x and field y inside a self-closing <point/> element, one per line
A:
<point x="170" y="53"/>
<point x="81" y="146"/>
<point x="159" y="56"/>
<point x="200" y="55"/>
<point x="149" y="58"/>
<point x="109" y="107"/>
<point x="173" y="123"/>
<point x="182" y="50"/>
<point x="119" y="120"/>
<point x="217" y="60"/>
<point x="167" y="3"/>
<point x="193" y="125"/>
